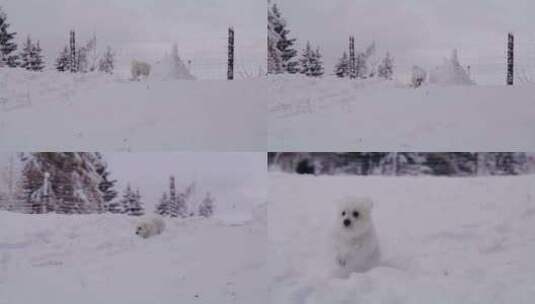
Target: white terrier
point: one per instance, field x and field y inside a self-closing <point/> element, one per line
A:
<point x="150" y="227"/>
<point x="357" y="248"/>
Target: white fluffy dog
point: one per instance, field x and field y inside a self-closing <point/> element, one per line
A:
<point x="150" y="227"/>
<point x="139" y="68"/>
<point x="357" y="247"/>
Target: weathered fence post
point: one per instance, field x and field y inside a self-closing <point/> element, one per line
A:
<point x="73" y="60"/>
<point x="352" y="62"/>
<point x="510" y="58"/>
<point x="230" y="71"/>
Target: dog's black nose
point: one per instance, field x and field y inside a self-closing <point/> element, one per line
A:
<point x="347" y="222"/>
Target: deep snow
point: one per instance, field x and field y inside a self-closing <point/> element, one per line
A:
<point x="371" y="115"/>
<point x="98" y="259"/>
<point x="443" y="240"/>
<point x="52" y="111"/>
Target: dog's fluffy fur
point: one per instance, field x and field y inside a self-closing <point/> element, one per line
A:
<point x="150" y="227"/>
<point x="357" y="248"/>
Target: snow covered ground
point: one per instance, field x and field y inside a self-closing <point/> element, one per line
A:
<point x="444" y="240"/>
<point x="53" y="111"/>
<point x="343" y="115"/>
<point x="99" y="259"/>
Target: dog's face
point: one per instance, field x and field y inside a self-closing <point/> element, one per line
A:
<point x="142" y="230"/>
<point x="354" y="215"/>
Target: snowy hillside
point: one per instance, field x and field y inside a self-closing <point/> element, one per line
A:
<point x="53" y="111"/>
<point x="343" y="115"/>
<point x="444" y="240"/>
<point x="99" y="259"/>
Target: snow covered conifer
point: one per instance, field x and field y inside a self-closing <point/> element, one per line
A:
<point x="386" y="68"/>
<point x="63" y="61"/>
<point x="274" y="54"/>
<point x="163" y="205"/>
<point x="107" y="62"/>
<point x="310" y="63"/>
<point x="115" y="207"/>
<point x="7" y="43"/>
<point x="206" y="208"/>
<point x="37" y="62"/>
<point x="31" y="57"/>
<point x="26" y="54"/>
<point x="131" y="202"/>
<point x="137" y="208"/>
<point x="177" y="203"/>
<point x="106" y="186"/>
<point x="342" y="68"/>
<point x="284" y="44"/>
<point x="317" y="68"/>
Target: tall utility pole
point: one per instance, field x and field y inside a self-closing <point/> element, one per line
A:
<point x="230" y="71"/>
<point x="352" y="62"/>
<point x="73" y="60"/>
<point x="510" y="58"/>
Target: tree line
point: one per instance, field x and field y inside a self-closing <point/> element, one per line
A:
<point x="80" y="183"/>
<point x="72" y="58"/>
<point x="282" y="56"/>
<point x="405" y="163"/>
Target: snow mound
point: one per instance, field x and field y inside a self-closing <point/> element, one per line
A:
<point x="443" y="240"/>
<point x="450" y="73"/>
<point x="99" y="259"/>
<point x="53" y="111"/>
<point x="171" y="67"/>
<point x="372" y="115"/>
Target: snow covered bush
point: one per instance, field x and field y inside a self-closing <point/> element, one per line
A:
<point x="450" y="72"/>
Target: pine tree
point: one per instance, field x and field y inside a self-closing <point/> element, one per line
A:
<point x="137" y="208"/>
<point x="115" y="207"/>
<point x="106" y="186"/>
<point x="107" y="62"/>
<point x="342" y="68"/>
<point x="73" y="179"/>
<point x="274" y="54"/>
<point x="284" y="44"/>
<point x="317" y="69"/>
<point x="26" y="54"/>
<point x="131" y="202"/>
<point x="7" y="44"/>
<point x="386" y="68"/>
<point x="310" y="63"/>
<point x="163" y="206"/>
<point x="206" y="208"/>
<point x="37" y="62"/>
<point x="31" y="57"/>
<point x="62" y="62"/>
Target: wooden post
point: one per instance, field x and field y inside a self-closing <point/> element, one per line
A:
<point x="352" y="68"/>
<point x="510" y="59"/>
<point x="230" y="71"/>
<point x="73" y="53"/>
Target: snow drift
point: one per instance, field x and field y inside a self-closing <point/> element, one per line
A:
<point x="373" y="115"/>
<point x="53" y="111"/>
<point x="99" y="259"/>
<point x="443" y="240"/>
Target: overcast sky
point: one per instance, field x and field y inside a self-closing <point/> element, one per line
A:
<point x="146" y="29"/>
<point x="420" y="32"/>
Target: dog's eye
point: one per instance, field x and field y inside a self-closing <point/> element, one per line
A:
<point x="355" y="214"/>
<point x="343" y="213"/>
